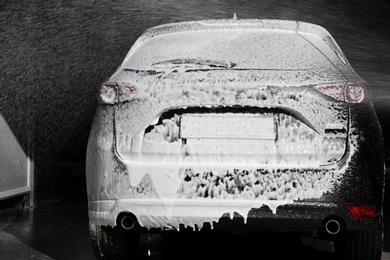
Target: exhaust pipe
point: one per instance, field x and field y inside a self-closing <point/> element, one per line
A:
<point x="127" y="222"/>
<point x="332" y="227"/>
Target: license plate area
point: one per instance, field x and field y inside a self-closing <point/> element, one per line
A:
<point x="227" y="126"/>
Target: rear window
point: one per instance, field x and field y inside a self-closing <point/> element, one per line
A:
<point x="246" y="48"/>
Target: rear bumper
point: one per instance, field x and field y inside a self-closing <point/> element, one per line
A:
<point x="228" y="214"/>
<point x="162" y="197"/>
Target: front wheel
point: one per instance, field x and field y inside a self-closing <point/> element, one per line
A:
<point x="113" y="243"/>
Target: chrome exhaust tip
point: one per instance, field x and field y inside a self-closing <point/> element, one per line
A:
<point x="332" y="226"/>
<point x="127" y="222"/>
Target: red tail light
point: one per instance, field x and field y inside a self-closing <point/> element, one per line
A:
<point x="363" y="211"/>
<point x="117" y="92"/>
<point x="356" y="93"/>
<point x="126" y="91"/>
<point x="350" y="93"/>
<point x="334" y="91"/>
<point x="108" y="94"/>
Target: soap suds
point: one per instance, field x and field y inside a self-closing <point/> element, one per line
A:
<point x="258" y="184"/>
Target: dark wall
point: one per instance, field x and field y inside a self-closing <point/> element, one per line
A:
<point x="54" y="55"/>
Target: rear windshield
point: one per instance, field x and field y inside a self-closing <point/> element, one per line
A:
<point x="245" y="48"/>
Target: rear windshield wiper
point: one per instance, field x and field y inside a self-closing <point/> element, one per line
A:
<point x="193" y="63"/>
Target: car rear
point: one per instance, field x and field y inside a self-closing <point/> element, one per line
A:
<point x="236" y="125"/>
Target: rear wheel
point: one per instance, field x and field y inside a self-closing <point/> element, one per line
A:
<point x="113" y="243"/>
<point x="360" y="245"/>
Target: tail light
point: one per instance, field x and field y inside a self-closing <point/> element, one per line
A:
<point x="356" y="93"/>
<point x="126" y="91"/>
<point x="117" y="92"/>
<point x="363" y="211"/>
<point x="348" y="93"/>
<point x="334" y="91"/>
<point x="108" y="94"/>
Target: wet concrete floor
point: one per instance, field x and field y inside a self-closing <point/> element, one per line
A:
<point x="58" y="229"/>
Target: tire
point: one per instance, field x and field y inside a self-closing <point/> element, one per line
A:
<point x="113" y="243"/>
<point x="360" y="245"/>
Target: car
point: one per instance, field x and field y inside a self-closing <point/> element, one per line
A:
<point x="236" y="125"/>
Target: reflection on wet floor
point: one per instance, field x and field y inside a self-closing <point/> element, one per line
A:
<point x="59" y="230"/>
<point x="223" y="245"/>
